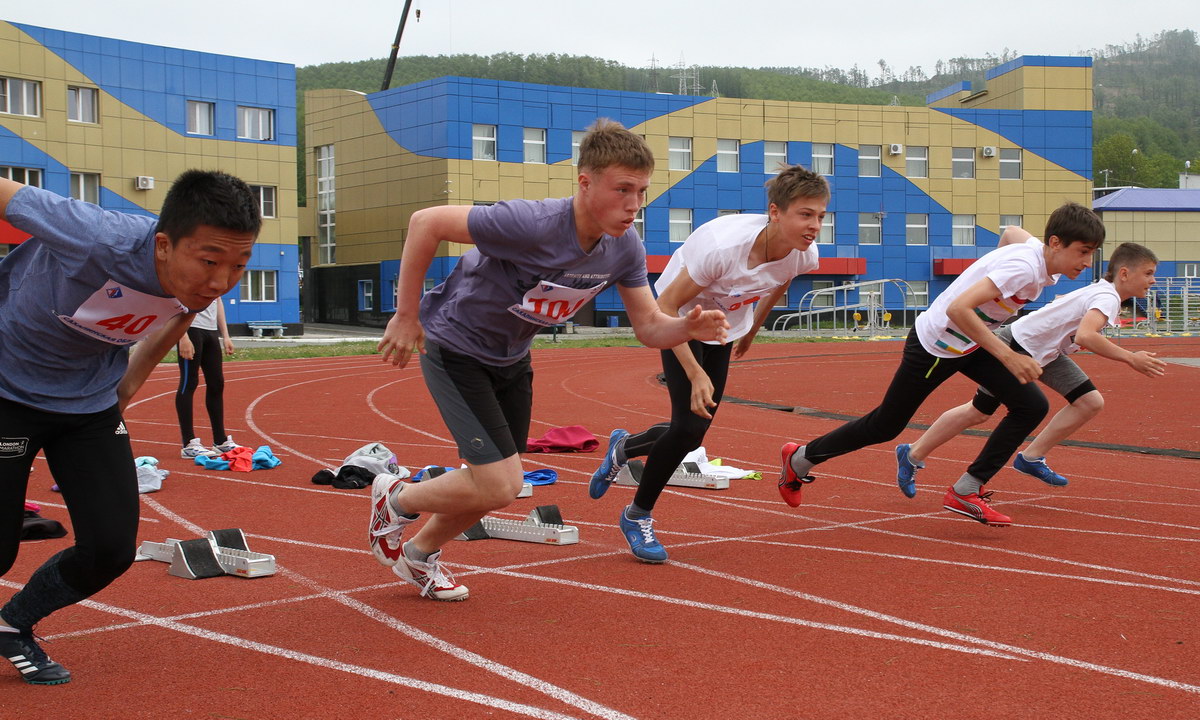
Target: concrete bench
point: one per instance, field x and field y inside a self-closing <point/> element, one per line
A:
<point x="257" y="327"/>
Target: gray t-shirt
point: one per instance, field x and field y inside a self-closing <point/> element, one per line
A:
<point x="525" y="272"/>
<point x="73" y="298"/>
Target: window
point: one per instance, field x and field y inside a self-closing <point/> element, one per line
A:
<point x="679" y="154"/>
<point x="483" y="142"/>
<point x="258" y="286"/>
<point x="25" y="176"/>
<point x="1007" y="221"/>
<point x="535" y="145"/>
<point x="86" y="187"/>
<point x="869" y="230"/>
<point x="869" y="163"/>
<point x="916" y="229"/>
<point x="639" y="222"/>
<point x="576" y="139"/>
<point x="823" y="300"/>
<point x="827" y="230"/>
<point x="82" y="103"/>
<point x="963" y="231"/>
<point x="917" y="294"/>
<point x="680" y="224"/>
<point x="1010" y="163"/>
<point x="728" y="155"/>
<point x="963" y="164"/>
<point x="916" y="161"/>
<point x="366" y="295"/>
<point x="774" y="156"/>
<point x="255" y="123"/>
<point x="199" y="117"/>
<point x="20" y="97"/>
<point x="722" y="213"/>
<point x="326" y="206"/>
<point x="822" y="162"/>
<point x="265" y="194"/>
<point x="1189" y="270"/>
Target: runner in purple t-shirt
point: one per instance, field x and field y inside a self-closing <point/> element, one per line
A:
<point x="534" y="264"/>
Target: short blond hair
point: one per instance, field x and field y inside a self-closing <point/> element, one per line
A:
<point x="608" y="144"/>
<point x="795" y="181"/>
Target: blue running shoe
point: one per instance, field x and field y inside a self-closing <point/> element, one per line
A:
<point x="607" y="472"/>
<point x="1039" y="469"/>
<point x="643" y="543"/>
<point x="906" y="471"/>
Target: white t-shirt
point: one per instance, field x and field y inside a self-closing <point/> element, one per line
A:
<point x="1049" y="332"/>
<point x="716" y="255"/>
<point x="1018" y="271"/>
<point x="206" y="319"/>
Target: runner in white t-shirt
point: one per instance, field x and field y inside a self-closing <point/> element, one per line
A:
<point x="948" y="339"/>
<point x="741" y="265"/>
<point x="1050" y="335"/>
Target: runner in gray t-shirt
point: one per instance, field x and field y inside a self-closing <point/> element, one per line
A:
<point x="534" y="264"/>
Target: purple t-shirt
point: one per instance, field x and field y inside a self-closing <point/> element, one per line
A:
<point x="525" y="272"/>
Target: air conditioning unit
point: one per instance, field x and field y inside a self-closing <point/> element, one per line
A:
<point x="143" y="182"/>
<point x="989" y="150"/>
<point x="895" y="149"/>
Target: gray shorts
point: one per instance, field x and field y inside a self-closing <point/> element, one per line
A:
<point x="1062" y="375"/>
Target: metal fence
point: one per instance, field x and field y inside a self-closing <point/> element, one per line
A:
<point x="872" y="307"/>
<point x="1172" y="305"/>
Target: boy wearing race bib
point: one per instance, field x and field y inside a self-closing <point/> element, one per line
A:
<point x="533" y="265"/>
<point x="742" y="265"/>
<point x="948" y="338"/>
<point x="1050" y="335"/>
<point x="74" y="297"/>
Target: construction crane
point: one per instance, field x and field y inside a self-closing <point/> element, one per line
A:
<point x="387" y="74"/>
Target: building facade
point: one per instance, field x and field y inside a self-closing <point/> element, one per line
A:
<point x="114" y="122"/>
<point x="918" y="192"/>
<point x="1166" y="220"/>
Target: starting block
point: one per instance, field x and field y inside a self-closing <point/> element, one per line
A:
<point x="686" y="475"/>
<point x="223" y="552"/>
<point x="544" y="525"/>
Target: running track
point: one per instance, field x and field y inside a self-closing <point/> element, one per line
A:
<point x="859" y="604"/>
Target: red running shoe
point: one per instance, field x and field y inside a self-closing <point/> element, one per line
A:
<point x="975" y="507"/>
<point x="791" y="485"/>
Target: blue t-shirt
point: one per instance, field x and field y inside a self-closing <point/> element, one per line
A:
<point x="526" y="271"/>
<point x="73" y="298"/>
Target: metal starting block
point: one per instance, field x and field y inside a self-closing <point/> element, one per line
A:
<point x="223" y="552"/>
<point x="544" y="525"/>
<point x="686" y="475"/>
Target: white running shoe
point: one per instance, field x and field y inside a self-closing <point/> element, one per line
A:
<point x="429" y="577"/>
<point x="195" y="449"/>
<point x="226" y="446"/>
<point x="387" y="525"/>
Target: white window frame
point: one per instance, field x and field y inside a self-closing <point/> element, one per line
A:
<point x="86" y="187"/>
<point x="1007" y="221"/>
<point x="83" y="104"/>
<point x="19" y="96"/>
<point x="723" y="213"/>
<point x="1189" y="270"/>
<point x="774" y="156"/>
<point x="870" y="221"/>
<point x="870" y="160"/>
<point x="483" y="142"/>
<point x="23" y="175"/>
<point x="258" y="286"/>
<point x="679" y="153"/>
<point x="679" y="224"/>
<point x="917" y="294"/>
<point x="639" y="222"/>
<point x="576" y="141"/>
<point x="962" y="230"/>
<point x="828" y="230"/>
<point x="962" y="163"/>
<point x="534" y="145"/>
<point x="916" y="229"/>
<point x="326" y="205"/>
<point x="1010" y="163"/>
<point x="366" y="295"/>
<point x="729" y="152"/>
<point x="265" y="194"/>
<point x="916" y="161"/>
<point x="255" y="123"/>
<point x="820" y="301"/>
<point x="201" y="117"/>
<point x="822" y="158"/>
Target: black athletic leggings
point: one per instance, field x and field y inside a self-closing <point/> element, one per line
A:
<point x="666" y="444"/>
<point x="917" y="377"/>
<point x="207" y="358"/>
<point x="91" y="461"/>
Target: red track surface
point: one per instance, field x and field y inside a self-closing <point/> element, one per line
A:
<point x="860" y="603"/>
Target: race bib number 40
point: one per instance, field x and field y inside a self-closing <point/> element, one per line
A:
<point x="121" y="316"/>
<point x="550" y="303"/>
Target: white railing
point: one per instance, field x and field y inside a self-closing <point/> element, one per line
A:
<point x="1172" y="305"/>
<point x="860" y="306"/>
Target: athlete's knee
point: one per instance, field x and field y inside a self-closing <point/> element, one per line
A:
<point x="1090" y="403"/>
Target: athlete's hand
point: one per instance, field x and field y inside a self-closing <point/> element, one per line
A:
<point x="706" y="324"/>
<point x="400" y="338"/>
<point x="1147" y="364"/>
<point x="1023" y="367"/>
<point x="702" y="395"/>
<point x="743" y="345"/>
<point x="187" y="350"/>
<point x="228" y="345"/>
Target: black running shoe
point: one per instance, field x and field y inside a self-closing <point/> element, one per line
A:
<point x="27" y="656"/>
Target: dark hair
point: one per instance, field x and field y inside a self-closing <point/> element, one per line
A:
<point x="794" y="182"/>
<point x="208" y="197"/>
<point x="1129" y="255"/>
<point x="608" y="144"/>
<point x="1073" y="222"/>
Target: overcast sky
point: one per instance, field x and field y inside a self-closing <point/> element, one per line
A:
<point x="746" y="33"/>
